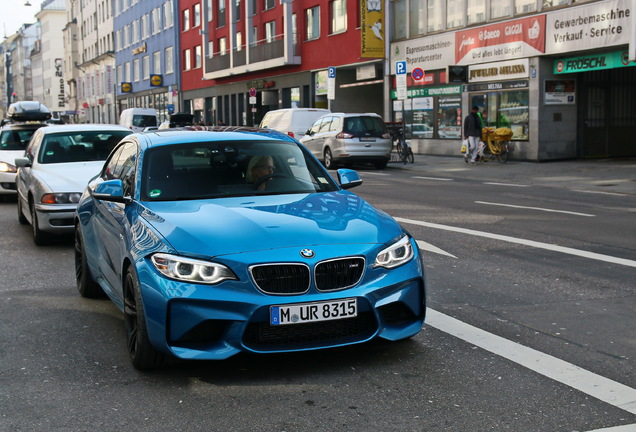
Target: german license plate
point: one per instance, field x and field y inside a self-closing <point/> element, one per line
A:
<point x="312" y="312"/>
<point x="363" y="139"/>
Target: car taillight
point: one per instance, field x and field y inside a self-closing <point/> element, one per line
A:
<point x="344" y="135"/>
<point x="291" y="134"/>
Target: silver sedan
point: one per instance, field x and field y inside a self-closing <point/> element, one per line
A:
<point x="54" y="171"/>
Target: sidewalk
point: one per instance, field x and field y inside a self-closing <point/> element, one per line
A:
<point x="595" y="175"/>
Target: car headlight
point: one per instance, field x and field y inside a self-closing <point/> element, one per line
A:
<point x="61" y="198"/>
<point x="191" y="270"/>
<point x="7" y="167"/>
<point x="395" y="255"/>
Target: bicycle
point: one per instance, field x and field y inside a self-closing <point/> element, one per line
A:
<point x="495" y="144"/>
<point x="402" y="149"/>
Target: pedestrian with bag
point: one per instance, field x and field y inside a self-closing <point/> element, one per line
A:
<point x="472" y="134"/>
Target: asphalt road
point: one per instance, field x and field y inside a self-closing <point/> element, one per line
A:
<point x="530" y="329"/>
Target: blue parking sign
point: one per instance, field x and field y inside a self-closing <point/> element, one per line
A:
<point x="332" y="72"/>
<point x="400" y="68"/>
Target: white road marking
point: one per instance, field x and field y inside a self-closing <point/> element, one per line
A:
<point x="624" y="428"/>
<point x="375" y="173"/>
<point x="531" y="243"/>
<point x="431" y="248"/>
<point x="535" y="208"/>
<point x="506" y="184"/>
<point x="432" y="178"/>
<point x="599" y="192"/>
<point x="612" y="392"/>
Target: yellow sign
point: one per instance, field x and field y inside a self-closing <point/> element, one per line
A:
<point x="156" y="80"/>
<point x="372" y="34"/>
<point x="126" y="87"/>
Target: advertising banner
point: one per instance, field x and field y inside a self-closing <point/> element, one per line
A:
<point x="505" y="70"/>
<point x="502" y="41"/>
<point x="597" y="25"/>
<point x="428" y="53"/>
<point x="612" y="60"/>
<point x="372" y="34"/>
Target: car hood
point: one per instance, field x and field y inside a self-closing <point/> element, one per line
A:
<point x="69" y="176"/>
<point x="10" y="155"/>
<point x="245" y="224"/>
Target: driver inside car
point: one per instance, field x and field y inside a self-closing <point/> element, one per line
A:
<point x="258" y="171"/>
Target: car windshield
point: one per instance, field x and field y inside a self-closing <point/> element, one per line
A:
<point x="79" y="146"/>
<point x="144" y="120"/>
<point x="228" y="169"/>
<point x="15" y="139"/>
<point x="364" y="126"/>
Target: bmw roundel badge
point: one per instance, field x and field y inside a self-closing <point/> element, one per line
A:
<point x="307" y="253"/>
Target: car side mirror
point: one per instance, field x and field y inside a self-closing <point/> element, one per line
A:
<point x="110" y="190"/>
<point x="348" y="178"/>
<point x="23" y="162"/>
<point x="309" y="132"/>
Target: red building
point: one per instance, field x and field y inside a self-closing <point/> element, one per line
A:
<point x="281" y="49"/>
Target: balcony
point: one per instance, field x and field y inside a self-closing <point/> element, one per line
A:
<point x="263" y="54"/>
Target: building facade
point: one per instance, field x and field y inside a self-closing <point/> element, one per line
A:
<point x="556" y="72"/>
<point x="49" y="83"/>
<point x="241" y="59"/>
<point x="146" y="54"/>
<point x="17" y="74"/>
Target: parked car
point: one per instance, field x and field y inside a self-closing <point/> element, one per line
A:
<point x="56" y="166"/>
<point x="293" y="121"/>
<point x="137" y="119"/>
<point x="340" y="138"/>
<point x="213" y="243"/>
<point x="14" y="138"/>
<point x="178" y="120"/>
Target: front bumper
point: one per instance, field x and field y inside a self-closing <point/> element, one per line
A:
<point x="193" y="321"/>
<point x="56" y="218"/>
<point x="7" y="183"/>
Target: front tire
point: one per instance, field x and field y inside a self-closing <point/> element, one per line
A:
<point x="86" y="285"/>
<point x="21" y="218"/>
<point x="142" y="354"/>
<point x="328" y="157"/>
<point x="40" y="237"/>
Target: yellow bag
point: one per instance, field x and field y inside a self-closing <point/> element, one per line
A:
<point x="464" y="146"/>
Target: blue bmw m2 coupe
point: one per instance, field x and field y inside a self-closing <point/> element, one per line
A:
<point x="215" y="242"/>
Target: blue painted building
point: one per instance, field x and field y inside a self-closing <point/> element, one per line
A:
<point x="147" y="54"/>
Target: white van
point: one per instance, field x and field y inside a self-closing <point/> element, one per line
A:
<point x="137" y="119"/>
<point x="292" y="121"/>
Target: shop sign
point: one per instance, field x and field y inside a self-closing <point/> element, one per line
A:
<point x="513" y="69"/>
<point x="559" y="92"/>
<point x="430" y="91"/>
<point x="260" y="84"/>
<point x="510" y="39"/>
<point x="508" y="85"/>
<point x="156" y="80"/>
<point x="372" y="34"/>
<point x="140" y="49"/>
<point x="126" y="87"/>
<point x="428" y="53"/>
<point x="597" y="25"/>
<point x="611" y="60"/>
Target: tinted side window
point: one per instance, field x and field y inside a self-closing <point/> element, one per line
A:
<point x="111" y="165"/>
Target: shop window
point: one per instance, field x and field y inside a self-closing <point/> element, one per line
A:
<point x="505" y="109"/>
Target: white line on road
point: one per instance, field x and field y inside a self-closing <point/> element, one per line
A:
<point x="431" y="248"/>
<point x="531" y="243"/>
<point x="376" y="173"/>
<point x="624" y="428"/>
<point x="432" y="178"/>
<point x="612" y="392"/>
<point x="535" y="208"/>
<point x="506" y="184"/>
